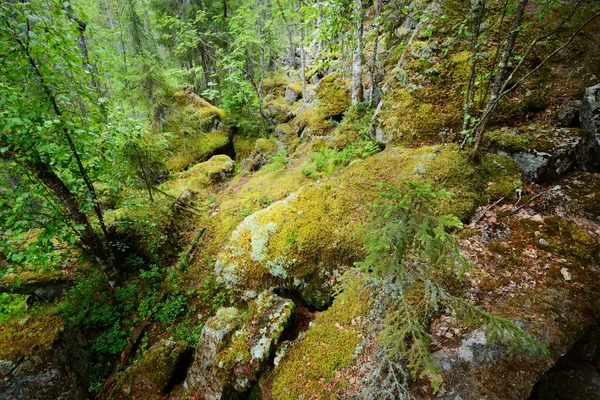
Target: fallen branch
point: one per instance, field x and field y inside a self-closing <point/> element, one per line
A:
<point x="488" y="208"/>
<point x="516" y="210"/>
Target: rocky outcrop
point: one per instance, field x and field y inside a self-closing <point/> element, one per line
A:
<point x="543" y="153"/>
<point x="568" y="116"/>
<point x="590" y="118"/>
<point x="45" y="360"/>
<point x="153" y="373"/>
<point x="303" y="242"/>
<point x="235" y="347"/>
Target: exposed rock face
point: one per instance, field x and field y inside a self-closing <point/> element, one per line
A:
<point x="290" y="95"/>
<point x="234" y="348"/>
<point x="544" y="275"/>
<point x="542" y="153"/>
<point x="590" y="117"/>
<point x="155" y="370"/>
<point x="57" y="373"/>
<point x="568" y="116"/>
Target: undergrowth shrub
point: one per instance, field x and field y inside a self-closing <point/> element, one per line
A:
<point x="412" y="260"/>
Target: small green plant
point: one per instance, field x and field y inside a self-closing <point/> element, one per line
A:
<point x="412" y="257"/>
<point x="278" y="161"/>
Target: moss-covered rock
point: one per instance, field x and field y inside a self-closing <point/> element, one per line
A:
<point x="279" y="110"/>
<point x="244" y="344"/>
<point x="41" y="358"/>
<point x="333" y="95"/>
<point x="196" y="147"/>
<point x="266" y="147"/>
<point x="543" y="153"/>
<point x="217" y="169"/>
<point x="152" y="374"/>
<point x="310" y="364"/>
<point x="301" y="243"/>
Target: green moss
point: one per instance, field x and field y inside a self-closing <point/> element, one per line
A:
<point x="316" y="119"/>
<point x="323" y="221"/>
<point x="285" y="129"/>
<point x="333" y="95"/>
<point x="243" y="146"/>
<point x="201" y="175"/>
<point x="585" y="189"/>
<point x="34" y="333"/>
<point x="310" y="364"/>
<point x="266" y="147"/>
<point x="296" y="87"/>
<point x="504" y="176"/>
<point x="198" y="147"/>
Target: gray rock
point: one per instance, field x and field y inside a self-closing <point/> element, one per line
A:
<point x="203" y="375"/>
<point x="153" y="373"/>
<point x="291" y="96"/>
<point x="58" y="373"/>
<point x="568" y="116"/>
<point x="554" y="152"/>
<point x="589" y="117"/>
<point x="232" y="353"/>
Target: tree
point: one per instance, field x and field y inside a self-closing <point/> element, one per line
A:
<point x="357" y="86"/>
<point x="48" y="115"/>
<point x="504" y="83"/>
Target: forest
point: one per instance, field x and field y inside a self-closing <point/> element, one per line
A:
<point x="300" y="199"/>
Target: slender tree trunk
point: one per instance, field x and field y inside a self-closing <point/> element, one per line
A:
<point x="302" y="54"/>
<point x="376" y="27"/>
<point x="478" y="13"/>
<point x="357" y="86"/>
<point x="224" y="2"/>
<point x="290" y="35"/>
<point x="89" y="238"/>
<point x="501" y="70"/>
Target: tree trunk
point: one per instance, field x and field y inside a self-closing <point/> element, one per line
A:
<point x="357" y="86"/>
<point x="377" y="6"/>
<point x="302" y="55"/>
<point x="478" y="13"/>
<point x="89" y="238"/>
<point x="498" y="80"/>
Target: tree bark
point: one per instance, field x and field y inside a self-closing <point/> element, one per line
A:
<point x="478" y="13"/>
<point x="357" y="86"/>
<point x="498" y="80"/>
<point x="290" y="35"/>
<point x="302" y="54"/>
<point x="377" y="7"/>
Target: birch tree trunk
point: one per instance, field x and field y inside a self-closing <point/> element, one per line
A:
<point x="501" y="70"/>
<point x="357" y="86"/>
<point x="302" y="54"/>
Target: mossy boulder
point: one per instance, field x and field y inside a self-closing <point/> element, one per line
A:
<point x="42" y="358"/>
<point x="333" y="95"/>
<point x="152" y="374"/>
<point x="278" y="110"/>
<point x="196" y="147"/>
<point x="235" y="347"/>
<point x="543" y="153"/>
<point x="266" y="147"/>
<point x="309" y="365"/>
<point x="202" y="175"/>
<point x="302" y="242"/>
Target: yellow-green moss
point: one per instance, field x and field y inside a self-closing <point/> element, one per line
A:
<point x="266" y="147"/>
<point x="286" y="129"/>
<point x="302" y="241"/>
<point x="296" y="87"/>
<point x="195" y="148"/>
<point x="316" y="120"/>
<point x="243" y="146"/>
<point x="310" y="364"/>
<point x="333" y="95"/>
<point x="504" y="176"/>
<point x="201" y="175"/>
<point x="36" y="332"/>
